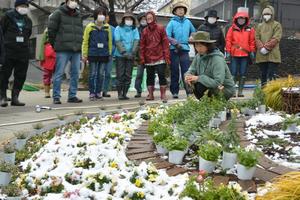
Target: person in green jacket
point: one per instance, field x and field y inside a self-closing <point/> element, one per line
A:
<point x="209" y="70"/>
<point x="267" y="36"/>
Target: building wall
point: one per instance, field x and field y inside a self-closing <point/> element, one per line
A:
<point x="168" y="7"/>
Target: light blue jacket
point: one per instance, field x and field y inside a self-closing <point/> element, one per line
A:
<point x="180" y="29"/>
<point x="127" y="36"/>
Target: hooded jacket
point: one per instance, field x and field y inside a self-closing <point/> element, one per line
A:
<point x="240" y="41"/>
<point x="213" y="72"/>
<point x="65" y="29"/>
<point x="268" y="35"/>
<point x="154" y="44"/>
<point x="180" y="29"/>
<point x="215" y="32"/>
<point x="11" y="31"/>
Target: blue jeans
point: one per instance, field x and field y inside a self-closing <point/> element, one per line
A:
<point x="61" y="60"/>
<point x="268" y="71"/>
<point x="139" y="78"/>
<point x="238" y="66"/>
<point x="178" y="58"/>
<point x="106" y="76"/>
<point x="96" y="70"/>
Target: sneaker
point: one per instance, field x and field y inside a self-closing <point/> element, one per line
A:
<point x="105" y="94"/>
<point x="92" y="98"/>
<point x="175" y="96"/>
<point x="56" y="101"/>
<point x="74" y="100"/>
<point x="138" y="95"/>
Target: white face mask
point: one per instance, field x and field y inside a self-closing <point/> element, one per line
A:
<point x="101" y="18"/>
<point x="212" y="20"/>
<point x="129" y="22"/>
<point x="143" y="22"/>
<point x="267" y="17"/>
<point x="73" y="4"/>
<point x="241" y="21"/>
<point x="22" y="10"/>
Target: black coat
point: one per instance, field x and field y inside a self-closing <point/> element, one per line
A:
<point x="216" y="33"/>
<point x="14" y="49"/>
<point x="1" y="47"/>
<point x="65" y="29"/>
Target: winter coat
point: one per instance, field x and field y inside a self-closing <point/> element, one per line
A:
<point x="268" y="35"/>
<point x="240" y="41"/>
<point x="180" y="29"/>
<point x="2" y="55"/>
<point x="213" y="72"/>
<point x="49" y="57"/>
<point x="215" y="32"/>
<point x="65" y="29"/>
<point x="93" y="37"/>
<point x="128" y="37"/>
<point x="154" y="45"/>
<point x="16" y="27"/>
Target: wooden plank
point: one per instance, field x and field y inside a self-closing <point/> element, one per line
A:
<point x="176" y="170"/>
<point x="139" y="146"/>
<point x="163" y="165"/>
<point x="264" y="175"/>
<point x="281" y="170"/>
<point x="248" y="185"/>
<point x="142" y="156"/>
<point x="135" y="151"/>
<point x="266" y="163"/>
<point x="140" y="142"/>
<point x="218" y="180"/>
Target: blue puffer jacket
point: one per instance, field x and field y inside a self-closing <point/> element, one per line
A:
<point x="127" y="35"/>
<point x="180" y="29"/>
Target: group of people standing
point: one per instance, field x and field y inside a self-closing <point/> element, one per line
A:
<point x="155" y="46"/>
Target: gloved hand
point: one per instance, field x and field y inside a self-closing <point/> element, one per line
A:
<point x="178" y="46"/>
<point x="228" y="57"/>
<point x="128" y="56"/>
<point x="252" y="55"/>
<point x="264" y="51"/>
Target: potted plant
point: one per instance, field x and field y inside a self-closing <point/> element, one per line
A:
<point x="214" y="122"/>
<point x="247" y="160"/>
<point x="61" y="120"/>
<point x="21" y="140"/>
<point x="102" y="112"/>
<point x="259" y="96"/>
<point x="162" y="132"/>
<point x="6" y="170"/>
<point x="12" y="191"/>
<point x="222" y="115"/>
<point x="290" y="123"/>
<point x="208" y="155"/>
<point x="177" y="147"/>
<point x="9" y="153"/>
<point x="38" y="127"/>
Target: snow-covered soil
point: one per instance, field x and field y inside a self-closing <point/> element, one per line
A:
<point x="283" y="147"/>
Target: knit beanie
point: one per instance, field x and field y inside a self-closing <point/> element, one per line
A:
<point x="21" y="2"/>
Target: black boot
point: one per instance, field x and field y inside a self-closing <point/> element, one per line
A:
<point x="15" y="98"/>
<point x="120" y="92"/>
<point x="125" y="90"/>
<point x="3" y="98"/>
<point x="241" y="86"/>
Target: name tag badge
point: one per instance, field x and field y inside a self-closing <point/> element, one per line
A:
<point x="100" y="45"/>
<point x="19" y="39"/>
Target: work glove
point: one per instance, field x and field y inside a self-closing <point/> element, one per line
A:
<point x="252" y="55"/>
<point x="227" y="57"/>
<point x="264" y="51"/>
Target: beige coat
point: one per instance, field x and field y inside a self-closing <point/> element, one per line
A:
<point x="268" y="35"/>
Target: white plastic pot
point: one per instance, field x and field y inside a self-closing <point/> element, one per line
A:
<point x="4" y="178"/>
<point x="244" y="173"/>
<point x="20" y="143"/>
<point x="262" y="109"/>
<point x="215" y="122"/>
<point x="102" y="113"/>
<point x="222" y="116"/>
<point x="176" y="157"/>
<point x="229" y="159"/>
<point x="161" y="150"/>
<point x="251" y="112"/>
<point x="9" y="157"/>
<point x="206" y="165"/>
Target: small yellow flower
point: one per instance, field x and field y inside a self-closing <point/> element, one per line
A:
<point x="138" y="183"/>
<point x="114" y="165"/>
<point x="152" y="178"/>
<point x="101" y="176"/>
<point x="141" y="194"/>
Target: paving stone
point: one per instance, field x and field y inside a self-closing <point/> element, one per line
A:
<point x="139" y="146"/>
<point x="248" y="185"/>
<point x="218" y="180"/>
<point x="266" y="162"/>
<point x="135" y="151"/>
<point x="281" y="170"/>
<point x="264" y="175"/>
<point x="142" y="156"/>
<point x="176" y="170"/>
<point x="163" y="165"/>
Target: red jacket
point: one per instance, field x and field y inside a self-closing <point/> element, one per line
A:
<point x="240" y="41"/>
<point x="50" y="57"/>
<point x="154" y="44"/>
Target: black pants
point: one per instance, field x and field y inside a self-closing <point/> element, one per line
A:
<point x="268" y="71"/>
<point x="19" y="67"/>
<point x="139" y="78"/>
<point x="161" y="71"/>
<point x="123" y="71"/>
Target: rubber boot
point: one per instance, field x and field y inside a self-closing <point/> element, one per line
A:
<point x="163" y="96"/>
<point x="241" y="86"/>
<point x="235" y="81"/>
<point x="3" y="98"/>
<point x="125" y="91"/>
<point x="15" y="98"/>
<point x="47" y="91"/>
<point x="120" y="92"/>
<point x="150" y="96"/>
